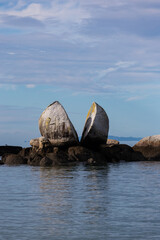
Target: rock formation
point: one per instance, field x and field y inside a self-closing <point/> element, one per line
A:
<point x="55" y="127"/>
<point x="112" y="142"/>
<point x="59" y="143"/>
<point x="96" y="126"/>
<point x="149" y="147"/>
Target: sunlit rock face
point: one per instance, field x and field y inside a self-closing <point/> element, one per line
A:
<point x="96" y="126"/>
<point x="55" y="125"/>
<point x="112" y="142"/>
<point x="149" y="146"/>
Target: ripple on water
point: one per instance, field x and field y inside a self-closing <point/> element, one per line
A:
<point x="119" y="201"/>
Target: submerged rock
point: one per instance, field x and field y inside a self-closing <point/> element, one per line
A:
<point x="96" y="126"/>
<point x="55" y="125"/>
<point x="149" y="147"/>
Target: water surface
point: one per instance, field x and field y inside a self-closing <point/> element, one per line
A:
<point x="119" y="201"/>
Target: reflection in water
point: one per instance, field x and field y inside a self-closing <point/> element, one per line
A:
<point x="120" y="201"/>
<point x="73" y="198"/>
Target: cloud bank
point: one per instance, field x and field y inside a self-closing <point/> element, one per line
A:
<point x="94" y="47"/>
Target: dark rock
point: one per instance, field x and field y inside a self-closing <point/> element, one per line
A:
<point x="91" y="161"/>
<point x="1" y="162"/>
<point x="156" y="158"/>
<point x="60" y="158"/>
<point x="14" y="159"/>
<point x="120" y="152"/>
<point x="45" y="162"/>
<point x="34" y="159"/>
<point x="79" y="153"/>
<point x="9" y="149"/>
<point x="25" y="152"/>
<point x="82" y="154"/>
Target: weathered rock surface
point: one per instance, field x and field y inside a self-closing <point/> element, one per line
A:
<point x="149" y="147"/>
<point x="9" y="149"/>
<point x="13" y="159"/>
<point x="73" y="155"/>
<point x="79" y="153"/>
<point x="41" y="143"/>
<point x="119" y="152"/>
<point x="55" y="126"/>
<point x="96" y="126"/>
<point x="112" y="142"/>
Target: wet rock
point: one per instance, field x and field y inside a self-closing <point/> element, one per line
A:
<point x="91" y="161"/>
<point x="55" y="125"/>
<point x="46" y="162"/>
<point x="96" y="127"/>
<point x="149" y="147"/>
<point x="120" y="152"/>
<point x="13" y="159"/>
<point x="82" y="154"/>
<point x="34" y="159"/>
<point x="59" y="159"/>
<point x="79" y="153"/>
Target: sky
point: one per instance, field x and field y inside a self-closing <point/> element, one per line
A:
<point x="78" y="52"/>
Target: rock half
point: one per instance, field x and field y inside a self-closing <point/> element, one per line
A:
<point x="55" y="125"/>
<point x="96" y="126"/>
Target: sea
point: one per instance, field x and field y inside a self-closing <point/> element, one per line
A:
<point x="118" y="201"/>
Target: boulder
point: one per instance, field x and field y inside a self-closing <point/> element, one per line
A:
<point x="13" y="159"/>
<point x="35" y="159"/>
<point x="79" y="153"/>
<point x="9" y="149"/>
<point x="96" y="127"/>
<point x="83" y="154"/>
<point x="46" y="162"/>
<point x="25" y="152"/>
<point x="56" y="127"/>
<point x="58" y="159"/>
<point x="149" y="147"/>
<point x="112" y="142"/>
<point x="119" y="152"/>
<point x="41" y="143"/>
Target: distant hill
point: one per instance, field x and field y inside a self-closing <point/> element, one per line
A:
<point x="122" y="138"/>
<point x="125" y="138"/>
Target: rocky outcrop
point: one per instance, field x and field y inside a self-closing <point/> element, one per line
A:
<point x="9" y="149"/>
<point x="96" y="127"/>
<point x="13" y="159"/>
<point x="57" y="156"/>
<point x="120" y="152"/>
<point x="149" y="147"/>
<point x="56" y="127"/>
<point x="112" y="142"/>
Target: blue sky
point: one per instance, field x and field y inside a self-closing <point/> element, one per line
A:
<point x="78" y="52"/>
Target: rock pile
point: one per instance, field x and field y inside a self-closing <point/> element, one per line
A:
<point x="59" y="144"/>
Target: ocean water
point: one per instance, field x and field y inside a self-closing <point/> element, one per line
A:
<point x="118" y="201"/>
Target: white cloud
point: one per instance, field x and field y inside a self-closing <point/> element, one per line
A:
<point x="11" y="53"/>
<point x="134" y="98"/>
<point x="69" y="11"/>
<point x="30" y="86"/>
